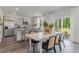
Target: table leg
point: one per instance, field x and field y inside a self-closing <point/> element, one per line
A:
<point x="30" y="44"/>
<point x="40" y="46"/>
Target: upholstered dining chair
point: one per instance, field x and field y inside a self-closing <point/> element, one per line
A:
<point x="50" y="44"/>
<point x="58" y="38"/>
<point x="62" y="39"/>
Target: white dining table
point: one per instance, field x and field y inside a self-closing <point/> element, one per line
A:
<point x="39" y="36"/>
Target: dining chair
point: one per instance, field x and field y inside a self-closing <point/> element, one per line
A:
<point x="34" y="44"/>
<point x="62" y="39"/>
<point x="50" y="44"/>
<point x="58" y="38"/>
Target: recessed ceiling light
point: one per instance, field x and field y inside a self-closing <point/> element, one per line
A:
<point x="17" y="9"/>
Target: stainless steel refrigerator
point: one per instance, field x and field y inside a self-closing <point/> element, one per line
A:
<point x="8" y="28"/>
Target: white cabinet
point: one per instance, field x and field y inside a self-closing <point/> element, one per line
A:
<point x="18" y="36"/>
<point x="1" y="35"/>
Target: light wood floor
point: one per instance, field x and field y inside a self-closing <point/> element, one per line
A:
<point x="10" y="45"/>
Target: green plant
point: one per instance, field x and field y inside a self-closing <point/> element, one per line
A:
<point x="51" y="25"/>
<point x="45" y="24"/>
<point x="66" y="22"/>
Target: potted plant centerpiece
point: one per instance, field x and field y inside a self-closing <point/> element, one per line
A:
<point x="45" y="24"/>
<point x="50" y="27"/>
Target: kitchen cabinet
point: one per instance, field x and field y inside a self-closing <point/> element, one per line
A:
<point x="18" y="35"/>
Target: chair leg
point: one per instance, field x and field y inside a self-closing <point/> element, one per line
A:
<point x="36" y="48"/>
<point x="54" y="50"/>
<point x="33" y="48"/>
<point x="46" y="51"/>
<point x="60" y="46"/>
<point x="64" y="44"/>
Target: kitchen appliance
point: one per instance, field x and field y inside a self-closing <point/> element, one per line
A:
<point x="8" y="28"/>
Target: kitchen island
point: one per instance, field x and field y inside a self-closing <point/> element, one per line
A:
<point x="20" y="32"/>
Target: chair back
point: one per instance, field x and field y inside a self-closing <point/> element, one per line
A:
<point x="51" y="42"/>
<point x="62" y="36"/>
<point x="58" y="38"/>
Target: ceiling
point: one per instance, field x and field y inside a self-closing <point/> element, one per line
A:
<point x="29" y="10"/>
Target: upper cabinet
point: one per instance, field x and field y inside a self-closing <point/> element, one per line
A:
<point x="23" y="21"/>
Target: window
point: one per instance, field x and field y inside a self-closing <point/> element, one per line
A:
<point x="66" y="22"/>
<point x="58" y="24"/>
<point x="63" y="24"/>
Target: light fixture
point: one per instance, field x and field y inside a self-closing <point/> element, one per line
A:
<point x="17" y="9"/>
<point x="14" y="12"/>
